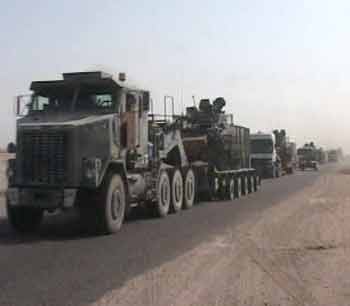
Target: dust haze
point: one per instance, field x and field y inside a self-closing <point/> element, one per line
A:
<point x="310" y="110"/>
<point x="277" y="65"/>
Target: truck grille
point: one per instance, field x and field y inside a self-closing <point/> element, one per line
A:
<point x="43" y="157"/>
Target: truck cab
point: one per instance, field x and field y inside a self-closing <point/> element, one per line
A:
<point x="263" y="155"/>
<point x="307" y="158"/>
<point x="86" y="141"/>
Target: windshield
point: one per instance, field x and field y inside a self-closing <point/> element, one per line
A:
<point x="81" y="101"/>
<point x="306" y="153"/>
<point x="261" y="146"/>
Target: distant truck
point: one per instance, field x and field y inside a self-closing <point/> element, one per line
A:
<point x="321" y="156"/>
<point x="333" y="156"/>
<point x="263" y="155"/>
<point x="292" y="149"/>
<point x="286" y="151"/>
<point x="307" y="157"/>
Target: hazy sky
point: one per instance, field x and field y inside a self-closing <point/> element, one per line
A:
<point x="279" y="64"/>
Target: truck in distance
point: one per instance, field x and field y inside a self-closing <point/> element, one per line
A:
<point x="333" y="156"/>
<point x="263" y="155"/>
<point x="307" y="157"/>
<point x="286" y="151"/>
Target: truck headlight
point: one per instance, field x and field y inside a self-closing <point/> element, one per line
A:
<point x="11" y="171"/>
<point x="91" y="170"/>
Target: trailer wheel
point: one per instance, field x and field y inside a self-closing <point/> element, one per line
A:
<point x="257" y="182"/>
<point x="163" y="195"/>
<point x="177" y="192"/>
<point x="238" y="187"/>
<point x="232" y="189"/>
<point x="24" y="219"/>
<point x="245" y="185"/>
<point x="277" y="172"/>
<point x="110" y="206"/>
<point x="251" y="184"/>
<point x="189" y="189"/>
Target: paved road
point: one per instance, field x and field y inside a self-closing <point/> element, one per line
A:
<point x="62" y="266"/>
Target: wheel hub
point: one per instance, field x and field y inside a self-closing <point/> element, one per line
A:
<point x="116" y="204"/>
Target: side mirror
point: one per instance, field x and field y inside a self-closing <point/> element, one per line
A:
<point x="11" y="148"/>
<point x="146" y="101"/>
<point x="18" y="105"/>
<point x="22" y="104"/>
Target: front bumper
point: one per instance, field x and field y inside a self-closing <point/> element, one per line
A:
<point x="264" y="168"/>
<point x="41" y="198"/>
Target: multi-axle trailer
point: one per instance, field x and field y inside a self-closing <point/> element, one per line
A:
<point x="89" y="142"/>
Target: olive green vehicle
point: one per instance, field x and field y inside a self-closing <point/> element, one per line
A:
<point x="86" y="141"/>
<point x="89" y="142"/>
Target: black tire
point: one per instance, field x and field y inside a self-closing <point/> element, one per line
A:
<point x="278" y="174"/>
<point x="257" y="182"/>
<point x="224" y="188"/>
<point x="245" y="185"/>
<point x="110" y="205"/>
<point x="251" y="184"/>
<point x="162" y="204"/>
<point x="231" y="189"/>
<point x="271" y="173"/>
<point x="24" y="219"/>
<point x="189" y="189"/>
<point x="238" y="187"/>
<point x="216" y="188"/>
<point x="177" y="191"/>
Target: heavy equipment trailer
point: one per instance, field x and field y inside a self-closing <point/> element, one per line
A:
<point x="307" y="157"/>
<point x="286" y="151"/>
<point x="88" y="141"/>
<point x="211" y="139"/>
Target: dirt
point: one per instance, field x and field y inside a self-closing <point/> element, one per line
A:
<point x="295" y="253"/>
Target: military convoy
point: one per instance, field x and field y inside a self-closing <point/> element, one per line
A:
<point x="89" y="141"/>
<point x="92" y="143"/>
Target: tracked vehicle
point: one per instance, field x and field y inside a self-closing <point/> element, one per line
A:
<point x="221" y="148"/>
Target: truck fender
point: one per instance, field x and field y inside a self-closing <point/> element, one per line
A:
<point x="115" y="167"/>
<point x="118" y="167"/>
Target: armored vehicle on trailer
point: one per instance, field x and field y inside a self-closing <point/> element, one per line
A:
<point x="220" y="150"/>
<point x="307" y="157"/>
<point x="286" y="151"/>
<point x="86" y="141"/>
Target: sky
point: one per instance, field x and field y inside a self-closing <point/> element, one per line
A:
<point x="279" y="64"/>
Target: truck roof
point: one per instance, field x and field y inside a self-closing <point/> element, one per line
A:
<point x="262" y="136"/>
<point x="99" y="79"/>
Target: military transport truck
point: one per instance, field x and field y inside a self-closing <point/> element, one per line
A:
<point x="307" y="157"/>
<point x="333" y="156"/>
<point x="87" y="141"/>
<point x="263" y="155"/>
<point x="286" y="151"/>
